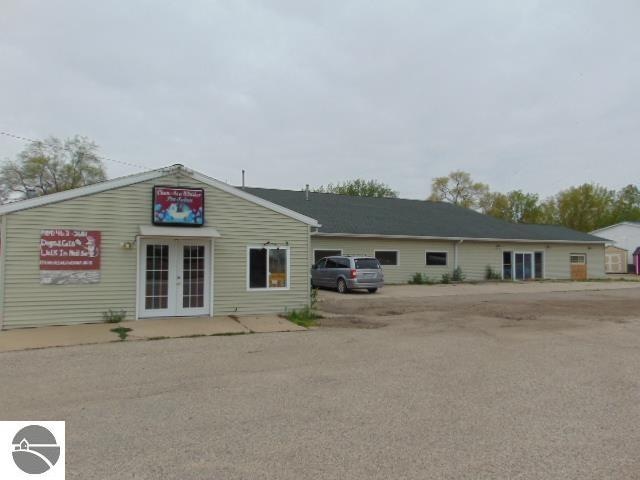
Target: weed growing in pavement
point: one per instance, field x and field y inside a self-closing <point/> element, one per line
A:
<point x="122" y="332"/>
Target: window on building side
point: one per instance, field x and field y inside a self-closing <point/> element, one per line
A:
<point x="387" y="257"/>
<point x="268" y="267"/>
<point x="318" y="254"/>
<point x="578" y="258"/>
<point x="436" y="258"/>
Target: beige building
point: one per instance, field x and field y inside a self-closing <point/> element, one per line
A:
<point x="174" y="243"/>
<point x="434" y="238"/>
<point x="108" y="246"/>
<point x="512" y="260"/>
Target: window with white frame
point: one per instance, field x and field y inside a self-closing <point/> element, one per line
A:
<point x="578" y="258"/>
<point x="386" y="257"/>
<point x="436" y="258"/>
<point x="268" y="267"/>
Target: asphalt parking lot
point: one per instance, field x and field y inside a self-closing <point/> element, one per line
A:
<point x="524" y="384"/>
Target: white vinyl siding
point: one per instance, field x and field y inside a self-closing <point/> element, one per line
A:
<point x="118" y="214"/>
<point x="411" y="254"/>
<point x="473" y="257"/>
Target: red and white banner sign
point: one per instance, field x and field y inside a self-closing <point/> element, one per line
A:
<point x="69" y="251"/>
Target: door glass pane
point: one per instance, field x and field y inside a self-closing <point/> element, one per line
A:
<point x="277" y="268"/>
<point x="528" y="273"/>
<point x="538" y="264"/>
<point x="506" y="266"/>
<point x="193" y="276"/>
<point x="156" y="293"/>
<point x="519" y="266"/>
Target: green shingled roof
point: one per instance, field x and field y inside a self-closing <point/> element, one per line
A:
<point x="419" y="218"/>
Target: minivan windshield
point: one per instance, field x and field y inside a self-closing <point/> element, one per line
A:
<point x="366" y="263"/>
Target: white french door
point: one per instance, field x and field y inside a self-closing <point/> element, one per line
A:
<point x="174" y="277"/>
<point x="524" y="268"/>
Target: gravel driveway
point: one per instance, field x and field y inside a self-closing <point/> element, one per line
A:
<point x="537" y="385"/>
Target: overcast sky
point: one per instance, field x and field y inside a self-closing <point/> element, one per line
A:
<point x="533" y="95"/>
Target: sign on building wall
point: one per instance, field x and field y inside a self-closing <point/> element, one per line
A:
<point x="178" y="206"/>
<point x="69" y="256"/>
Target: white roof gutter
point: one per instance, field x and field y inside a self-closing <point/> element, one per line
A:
<point x="427" y="237"/>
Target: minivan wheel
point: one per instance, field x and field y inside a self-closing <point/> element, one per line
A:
<point x="372" y="290"/>
<point x="342" y="286"/>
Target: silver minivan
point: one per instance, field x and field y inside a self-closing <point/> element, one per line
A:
<point x="347" y="272"/>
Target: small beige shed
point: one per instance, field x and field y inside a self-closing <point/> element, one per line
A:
<point x="615" y="260"/>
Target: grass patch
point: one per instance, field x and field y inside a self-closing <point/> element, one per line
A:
<point x="122" y="332"/>
<point x="305" y="317"/>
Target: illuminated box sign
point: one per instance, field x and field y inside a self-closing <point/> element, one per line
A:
<point x="69" y="256"/>
<point x="178" y="206"/>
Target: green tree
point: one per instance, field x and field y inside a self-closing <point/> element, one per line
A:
<point x="627" y="205"/>
<point x="525" y="207"/>
<point x="549" y="212"/>
<point x="458" y="188"/>
<point x="359" y="188"/>
<point x="585" y="207"/>
<point x="495" y="204"/>
<point x="49" y="166"/>
<point x="515" y="206"/>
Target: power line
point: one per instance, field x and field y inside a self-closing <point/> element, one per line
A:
<point x="101" y="157"/>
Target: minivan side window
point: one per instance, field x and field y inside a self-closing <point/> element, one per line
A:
<point x="343" y="263"/>
<point x="331" y="263"/>
<point x="321" y="263"/>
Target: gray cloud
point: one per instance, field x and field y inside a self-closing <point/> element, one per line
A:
<point x="536" y="95"/>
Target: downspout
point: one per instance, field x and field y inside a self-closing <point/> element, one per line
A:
<point x="3" y="256"/>
<point x="308" y="263"/>
<point x="138" y="282"/>
<point x="455" y="253"/>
